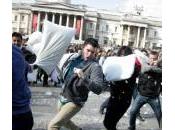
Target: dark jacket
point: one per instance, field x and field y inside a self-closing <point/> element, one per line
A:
<point x="150" y="82"/>
<point x="20" y="92"/>
<point x="92" y="81"/>
<point x="124" y="88"/>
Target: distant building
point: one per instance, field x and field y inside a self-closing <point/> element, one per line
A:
<point x="111" y="28"/>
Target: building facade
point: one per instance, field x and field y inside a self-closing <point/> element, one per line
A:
<point x="111" y="28"/>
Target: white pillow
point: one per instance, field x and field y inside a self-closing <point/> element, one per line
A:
<point x="64" y="59"/>
<point x="119" y="68"/>
<point x="34" y="42"/>
<point x="55" y="40"/>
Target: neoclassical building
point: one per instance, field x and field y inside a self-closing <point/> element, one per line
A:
<point x="108" y="27"/>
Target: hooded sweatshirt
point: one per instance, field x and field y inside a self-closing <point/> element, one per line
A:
<point x="20" y="92"/>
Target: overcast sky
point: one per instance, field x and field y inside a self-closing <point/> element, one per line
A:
<point x="151" y="7"/>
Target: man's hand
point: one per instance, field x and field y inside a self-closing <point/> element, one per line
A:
<point x="102" y="110"/>
<point x="35" y="67"/>
<point x="79" y="72"/>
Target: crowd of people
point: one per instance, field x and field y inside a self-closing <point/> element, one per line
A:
<point x="82" y="72"/>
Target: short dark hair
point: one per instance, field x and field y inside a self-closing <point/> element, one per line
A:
<point x="16" y="34"/>
<point x="124" y="50"/>
<point x="92" y="42"/>
<point x="143" y="50"/>
<point x="154" y="53"/>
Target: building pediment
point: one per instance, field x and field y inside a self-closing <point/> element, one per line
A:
<point x="56" y="5"/>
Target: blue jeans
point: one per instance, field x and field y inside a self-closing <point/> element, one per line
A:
<point x="135" y="92"/>
<point x="138" y="103"/>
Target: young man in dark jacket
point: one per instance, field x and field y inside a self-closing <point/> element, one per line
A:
<point x="149" y="88"/>
<point x="22" y="118"/>
<point x="120" y="94"/>
<point x="90" y="78"/>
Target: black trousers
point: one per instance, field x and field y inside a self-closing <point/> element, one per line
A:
<point x="116" y="108"/>
<point x="22" y="121"/>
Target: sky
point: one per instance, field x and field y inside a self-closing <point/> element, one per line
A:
<point x="151" y="7"/>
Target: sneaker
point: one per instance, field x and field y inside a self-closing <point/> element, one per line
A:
<point x="139" y="117"/>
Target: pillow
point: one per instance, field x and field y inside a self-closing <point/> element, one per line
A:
<point x="119" y="68"/>
<point x="55" y="40"/>
<point x="34" y="42"/>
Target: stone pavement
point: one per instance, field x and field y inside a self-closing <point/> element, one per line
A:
<point x="44" y="102"/>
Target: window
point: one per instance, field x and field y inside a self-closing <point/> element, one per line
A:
<point x="90" y="25"/>
<point x="154" y="45"/>
<point x="105" y="40"/>
<point x="115" y="29"/>
<point x="114" y="40"/>
<point x="131" y="44"/>
<point x="14" y="29"/>
<point x="98" y="26"/>
<point x="147" y="33"/>
<point x="125" y="27"/>
<point x="107" y="27"/>
<point x="90" y="36"/>
<point x="155" y="33"/>
<point x="21" y="30"/>
<point x="16" y="17"/>
<point x="97" y="37"/>
<point x="132" y="30"/>
<point x="22" y="18"/>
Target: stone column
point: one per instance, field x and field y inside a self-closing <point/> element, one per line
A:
<point x="121" y="36"/>
<point x="94" y="33"/>
<point x="75" y="19"/>
<point x="138" y="35"/>
<point x="128" y="33"/>
<point x="144" y="37"/>
<point x="53" y="18"/>
<point x="67" y="21"/>
<point x="60" y="21"/>
<point x="38" y="21"/>
<point x="81" y="29"/>
<point x="19" y="20"/>
<point x="46" y="16"/>
<point x="74" y="24"/>
<point x="31" y="23"/>
<point x="28" y="24"/>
